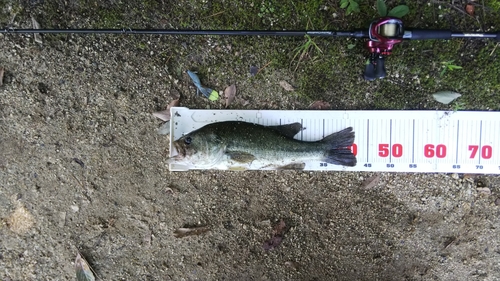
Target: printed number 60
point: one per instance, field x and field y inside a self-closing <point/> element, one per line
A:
<point x="439" y="150"/>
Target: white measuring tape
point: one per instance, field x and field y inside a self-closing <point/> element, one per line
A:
<point x="389" y="141"/>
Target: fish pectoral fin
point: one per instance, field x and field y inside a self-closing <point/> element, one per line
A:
<point x="293" y="166"/>
<point x="240" y="156"/>
<point x="288" y="130"/>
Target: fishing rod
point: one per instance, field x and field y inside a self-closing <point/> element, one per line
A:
<point x="383" y="34"/>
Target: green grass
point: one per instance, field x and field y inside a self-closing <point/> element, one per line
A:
<point x="305" y="52"/>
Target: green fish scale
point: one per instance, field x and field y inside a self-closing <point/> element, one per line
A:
<point x="260" y="141"/>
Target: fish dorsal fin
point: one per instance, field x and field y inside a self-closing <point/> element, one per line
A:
<point x="288" y="130"/>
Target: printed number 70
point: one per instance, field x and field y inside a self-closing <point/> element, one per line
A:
<point x="486" y="151"/>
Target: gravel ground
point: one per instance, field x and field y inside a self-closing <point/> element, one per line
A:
<point x="82" y="168"/>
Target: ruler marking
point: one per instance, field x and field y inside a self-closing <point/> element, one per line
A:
<point x="413" y="144"/>
<point x="302" y="131"/>
<point x="390" y="141"/>
<point x="323" y="128"/>
<point x="367" y="140"/>
<point x="479" y="149"/>
<point x="458" y="137"/>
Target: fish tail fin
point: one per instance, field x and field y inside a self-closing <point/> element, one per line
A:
<point x="343" y="156"/>
<point x="338" y="148"/>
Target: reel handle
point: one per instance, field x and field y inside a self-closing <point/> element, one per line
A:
<point x="375" y="68"/>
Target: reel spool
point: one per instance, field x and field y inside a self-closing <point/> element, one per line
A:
<point x="384" y="33"/>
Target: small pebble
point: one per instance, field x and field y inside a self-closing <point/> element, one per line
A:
<point x="1" y="76"/>
<point x="484" y="190"/>
<point x="253" y="70"/>
<point x="62" y="219"/>
<point x="292" y="264"/>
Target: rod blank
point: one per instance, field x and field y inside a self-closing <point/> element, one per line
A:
<point x="182" y="32"/>
<point x="417" y="34"/>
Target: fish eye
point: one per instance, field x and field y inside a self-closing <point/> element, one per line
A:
<point x="187" y="140"/>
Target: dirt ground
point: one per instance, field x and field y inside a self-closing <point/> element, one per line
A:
<point x="82" y="168"/>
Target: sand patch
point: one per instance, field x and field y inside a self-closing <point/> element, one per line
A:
<point x="20" y="221"/>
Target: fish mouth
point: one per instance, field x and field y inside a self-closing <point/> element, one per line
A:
<point x="178" y="150"/>
<point x="174" y="151"/>
<point x="177" y="153"/>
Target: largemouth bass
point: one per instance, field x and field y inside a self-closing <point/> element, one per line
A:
<point x="239" y="145"/>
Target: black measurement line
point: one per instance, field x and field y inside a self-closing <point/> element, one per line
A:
<point x="480" y="135"/>
<point x="458" y="135"/>
<point x="323" y="128"/>
<point x="302" y="131"/>
<point x="390" y="141"/>
<point x="413" y="144"/>
<point x="280" y="121"/>
<point x="367" y="140"/>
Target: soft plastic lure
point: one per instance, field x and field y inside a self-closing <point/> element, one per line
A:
<point x="207" y="92"/>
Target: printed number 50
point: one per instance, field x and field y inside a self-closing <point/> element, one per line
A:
<point x="396" y="150"/>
